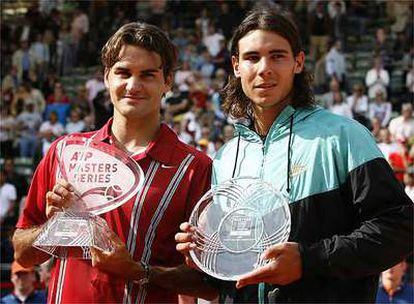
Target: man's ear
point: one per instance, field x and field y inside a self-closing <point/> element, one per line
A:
<point x="169" y="81"/>
<point x="299" y="62"/>
<point x="235" y="63"/>
<point x="105" y="77"/>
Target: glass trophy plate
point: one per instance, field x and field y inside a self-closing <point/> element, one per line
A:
<point x="235" y="222"/>
<point x="103" y="177"/>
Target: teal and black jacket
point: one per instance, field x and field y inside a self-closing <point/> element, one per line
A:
<point x="350" y="215"/>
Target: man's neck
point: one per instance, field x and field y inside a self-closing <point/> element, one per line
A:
<point x="133" y="136"/>
<point x="23" y="295"/>
<point x="264" y="118"/>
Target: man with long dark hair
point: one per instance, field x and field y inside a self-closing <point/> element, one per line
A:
<point x="350" y="217"/>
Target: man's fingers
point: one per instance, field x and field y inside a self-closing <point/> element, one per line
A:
<point x="62" y="191"/>
<point x="257" y="275"/>
<point x="186" y="227"/>
<point x="182" y="237"/>
<point x="53" y="199"/>
<point x="272" y="252"/>
<point x="51" y="210"/>
<point x="65" y="184"/>
<point x="184" y="248"/>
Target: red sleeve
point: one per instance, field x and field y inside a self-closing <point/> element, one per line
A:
<point x="34" y="211"/>
<point x="200" y="182"/>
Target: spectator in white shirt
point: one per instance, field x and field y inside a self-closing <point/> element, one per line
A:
<point x="8" y="197"/>
<point x="212" y="41"/>
<point x="95" y="85"/>
<point x="49" y="131"/>
<point x="386" y="145"/>
<point x="402" y="127"/>
<point x="75" y="124"/>
<point x="340" y="107"/>
<point x="377" y="79"/>
<point x="380" y="109"/>
<point x="358" y="102"/>
<point x="335" y="62"/>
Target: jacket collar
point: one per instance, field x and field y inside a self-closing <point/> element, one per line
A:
<point x="281" y="120"/>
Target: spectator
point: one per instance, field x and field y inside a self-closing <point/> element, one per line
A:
<point x="10" y="81"/>
<point x="81" y="101"/>
<point x="386" y="145"/>
<point x="24" y="291"/>
<point x="212" y="41"/>
<point x="392" y="288"/>
<point x="402" y="127"/>
<point x="339" y="106"/>
<point x="327" y="99"/>
<point x="376" y="128"/>
<point x="409" y="84"/>
<point x="380" y="109"/>
<point x="41" y="54"/>
<point x="8" y="198"/>
<point x="358" y="102"/>
<point x="319" y="28"/>
<point x="25" y="62"/>
<point x="383" y="48"/>
<point x="175" y="102"/>
<point x="335" y="63"/>
<point x="336" y="10"/>
<point x="184" y="77"/>
<point x="16" y="179"/>
<point x="75" y="124"/>
<point x="27" y="94"/>
<point x="28" y="123"/>
<point x="7" y="131"/>
<point x="399" y="13"/>
<point x="376" y="79"/>
<point x="409" y="182"/>
<point x="59" y="96"/>
<point x="50" y="130"/>
<point x="95" y="85"/>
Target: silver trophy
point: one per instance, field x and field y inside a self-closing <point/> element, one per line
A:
<point x="103" y="177"/>
<point x="235" y="222"/>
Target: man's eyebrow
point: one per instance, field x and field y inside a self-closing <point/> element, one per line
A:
<point x="274" y="51"/>
<point x="150" y="71"/>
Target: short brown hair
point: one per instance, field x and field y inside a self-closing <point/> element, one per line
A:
<point x="143" y="35"/>
<point x="236" y="103"/>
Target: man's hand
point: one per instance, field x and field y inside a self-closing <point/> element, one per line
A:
<point x="61" y="196"/>
<point x="117" y="262"/>
<point x="285" y="266"/>
<point x="185" y="243"/>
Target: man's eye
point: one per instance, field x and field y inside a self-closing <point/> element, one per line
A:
<point x="252" y="58"/>
<point x="148" y="76"/>
<point x="122" y="73"/>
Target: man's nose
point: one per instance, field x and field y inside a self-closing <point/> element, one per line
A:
<point x="134" y="84"/>
<point x="265" y="67"/>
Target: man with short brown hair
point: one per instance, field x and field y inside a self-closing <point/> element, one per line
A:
<point x="139" y="61"/>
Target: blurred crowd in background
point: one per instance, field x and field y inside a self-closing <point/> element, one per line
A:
<point x="361" y="54"/>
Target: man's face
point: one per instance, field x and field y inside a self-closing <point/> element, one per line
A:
<point x="266" y="67"/>
<point x="136" y="83"/>
<point x="391" y="278"/>
<point x="23" y="281"/>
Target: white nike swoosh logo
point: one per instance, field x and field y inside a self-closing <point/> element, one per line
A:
<point x="167" y="167"/>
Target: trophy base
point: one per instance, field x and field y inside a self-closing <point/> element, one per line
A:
<point x="71" y="234"/>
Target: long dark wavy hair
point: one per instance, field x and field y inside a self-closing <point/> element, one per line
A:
<point x="236" y="103"/>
